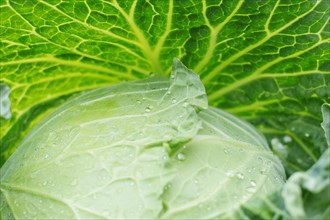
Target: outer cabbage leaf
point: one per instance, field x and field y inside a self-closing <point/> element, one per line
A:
<point x="148" y="149"/>
<point x="305" y="195"/>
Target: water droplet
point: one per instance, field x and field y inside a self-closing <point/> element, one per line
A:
<point x="172" y="76"/>
<point x="253" y="183"/>
<point x="226" y="151"/>
<point x="307" y="135"/>
<point x="46" y="156"/>
<point x="138" y="101"/>
<point x="185" y="104"/>
<point x="184" y="146"/>
<point x="239" y="175"/>
<point x="230" y="173"/>
<point x="169" y="93"/>
<point x="165" y="157"/>
<point x="181" y="156"/>
<point x="278" y="146"/>
<point x="251" y="189"/>
<point x="287" y="139"/>
<point x="173" y="101"/>
<point x="147" y="109"/>
<point x="74" y="182"/>
<point x="263" y="171"/>
<point x="195" y="181"/>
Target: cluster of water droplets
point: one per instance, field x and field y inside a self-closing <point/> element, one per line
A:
<point x="280" y="146"/>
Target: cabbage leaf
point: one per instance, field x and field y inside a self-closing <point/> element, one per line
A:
<point x="266" y="61"/>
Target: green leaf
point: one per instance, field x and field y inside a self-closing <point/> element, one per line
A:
<point x="306" y="195"/>
<point x="265" y="60"/>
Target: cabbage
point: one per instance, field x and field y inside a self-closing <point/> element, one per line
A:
<point x="149" y="149"/>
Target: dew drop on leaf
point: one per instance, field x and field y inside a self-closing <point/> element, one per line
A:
<point x="240" y="175"/>
<point x="185" y="104"/>
<point x="147" y="109"/>
<point x="278" y="146"/>
<point x="251" y="189"/>
<point x="263" y="171"/>
<point x="230" y="173"/>
<point x="287" y="139"/>
<point x="74" y="182"/>
<point x="181" y="156"/>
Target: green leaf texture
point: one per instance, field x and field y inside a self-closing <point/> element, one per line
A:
<point x="264" y="60"/>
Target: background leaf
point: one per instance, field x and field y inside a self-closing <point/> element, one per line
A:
<point x="266" y="61"/>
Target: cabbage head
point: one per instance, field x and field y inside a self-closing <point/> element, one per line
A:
<point x="149" y="149"/>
